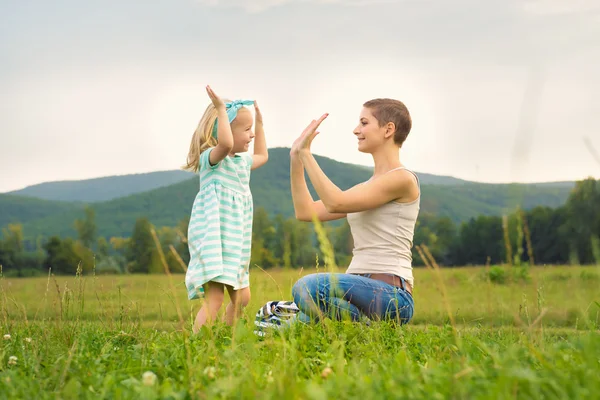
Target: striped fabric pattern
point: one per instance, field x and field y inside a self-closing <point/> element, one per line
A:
<point x="220" y="228"/>
<point x="274" y="315"/>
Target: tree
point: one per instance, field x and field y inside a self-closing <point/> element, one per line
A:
<point x="103" y="248"/>
<point x="13" y="238"/>
<point x="547" y="240"/>
<point x="583" y="219"/>
<point x="439" y="235"/>
<point x="86" y="228"/>
<point x="263" y="240"/>
<point x="281" y="245"/>
<point x="480" y="238"/>
<point x="141" y="247"/>
<point x="182" y="247"/>
<point x="303" y="253"/>
<point x="61" y="256"/>
<point x="11" y="248"/>
<point x="86" y="257"/>
<point x="446" y="243"/>
<point x="342" y="241"/>
<point x="6" y="259"/>
<point x="168" y="237"/>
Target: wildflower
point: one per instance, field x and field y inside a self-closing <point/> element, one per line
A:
<point x="28" y="339"/>
<point x="148" y="378"/>
<point x="7" y="337"/>
<point x="12" y="360"/>
<point x="326" y="372"/>
<point x="210" y="372"/>
<point x="270" y="378"/>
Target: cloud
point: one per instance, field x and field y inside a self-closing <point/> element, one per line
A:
<point x="560" y="7"/>
<point x="71" y="84"/>
<point x="257" y="6"/>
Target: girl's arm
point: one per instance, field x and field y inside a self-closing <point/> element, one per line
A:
<point x="261" y="154"/>
<point x="304" y="205"/>
<point x="224" y="135"/>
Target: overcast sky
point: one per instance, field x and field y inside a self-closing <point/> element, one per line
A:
<point x="499" y="90"/>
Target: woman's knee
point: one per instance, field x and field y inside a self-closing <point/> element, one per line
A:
<point x="306" y="288"/>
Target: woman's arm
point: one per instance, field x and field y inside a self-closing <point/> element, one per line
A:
<point x="386" y="188"/>
<point x="392" y="186"/>
<point x="304" y="205"/>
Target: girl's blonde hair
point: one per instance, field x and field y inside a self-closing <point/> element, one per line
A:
<point x="202" y="139"/>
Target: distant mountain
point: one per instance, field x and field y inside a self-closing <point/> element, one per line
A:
<point x="114" y="187"/>
<point x="103" y="189"/>
<point x="20" y="209"/>
<point x="167" y="205"/>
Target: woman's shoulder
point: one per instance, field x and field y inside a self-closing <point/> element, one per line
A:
<point x="408" y="177"/>
<point x="409" y="185"/>
<point x="404" y="183"/>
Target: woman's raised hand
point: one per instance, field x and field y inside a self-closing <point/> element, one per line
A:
<point x="305" y="139"/>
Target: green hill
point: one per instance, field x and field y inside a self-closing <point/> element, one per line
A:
<point x="20" y="209"/>
<point x="114" y="187"/>
<point x="103" y="189"/>
<point x="167" y="205"/>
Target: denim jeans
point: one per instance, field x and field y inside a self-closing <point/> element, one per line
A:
<point x="341" y="296"/>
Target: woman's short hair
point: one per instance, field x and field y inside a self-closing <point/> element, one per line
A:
<point x="390" y="110"/>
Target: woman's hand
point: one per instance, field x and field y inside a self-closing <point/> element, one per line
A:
<point x="303" y="142"/>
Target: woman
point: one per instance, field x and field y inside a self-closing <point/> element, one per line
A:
<point x="381" y="212"/>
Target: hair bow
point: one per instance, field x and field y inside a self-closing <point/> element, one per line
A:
<point x="232" y="108"/>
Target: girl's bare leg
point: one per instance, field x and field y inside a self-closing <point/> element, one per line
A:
<point x="214" y="295"/>
<point x="239" y="300"/>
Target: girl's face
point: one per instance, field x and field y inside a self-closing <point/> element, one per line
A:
<point x="241" y="129"/>
<point x="368" y="132"/>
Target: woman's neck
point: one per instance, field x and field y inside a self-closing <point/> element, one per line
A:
<point x="386" y="159"/>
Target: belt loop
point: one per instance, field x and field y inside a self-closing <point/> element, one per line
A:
<point x="402" y="283"/>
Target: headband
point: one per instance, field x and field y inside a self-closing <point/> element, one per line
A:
<point x="232" y="110"/>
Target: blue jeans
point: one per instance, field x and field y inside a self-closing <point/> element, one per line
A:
<point x="341" y="296"/>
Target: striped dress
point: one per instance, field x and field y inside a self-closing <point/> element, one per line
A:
<point x="220" y="228"/>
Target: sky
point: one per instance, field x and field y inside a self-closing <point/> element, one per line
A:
<point x="499" y="90"/>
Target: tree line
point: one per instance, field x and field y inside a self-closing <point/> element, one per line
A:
<point x="569" y="234"/>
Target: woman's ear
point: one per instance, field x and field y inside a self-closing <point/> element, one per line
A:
<point x="390" y="129"/>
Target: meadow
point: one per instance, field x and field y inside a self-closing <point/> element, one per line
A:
<point x="524" y="333"/>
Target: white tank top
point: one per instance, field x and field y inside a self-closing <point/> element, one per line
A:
<point x="383" y="238"/>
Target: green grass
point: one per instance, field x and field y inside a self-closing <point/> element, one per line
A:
<point x="96" y="336"/>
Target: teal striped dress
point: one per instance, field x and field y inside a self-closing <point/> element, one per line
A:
<point x="220" y="228"/>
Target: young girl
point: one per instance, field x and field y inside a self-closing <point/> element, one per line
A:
<point x="220" y="228"/>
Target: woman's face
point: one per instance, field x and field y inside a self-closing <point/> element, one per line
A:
<point x="368" y="132"/>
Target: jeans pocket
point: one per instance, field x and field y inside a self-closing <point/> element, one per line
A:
<point x="400" y="307"/>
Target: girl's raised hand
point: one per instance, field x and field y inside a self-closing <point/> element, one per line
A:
<point x="216" y="100"/>
<point x="258" y="114"/>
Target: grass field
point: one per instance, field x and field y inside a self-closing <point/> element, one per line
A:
<point x="128" y="337"/>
